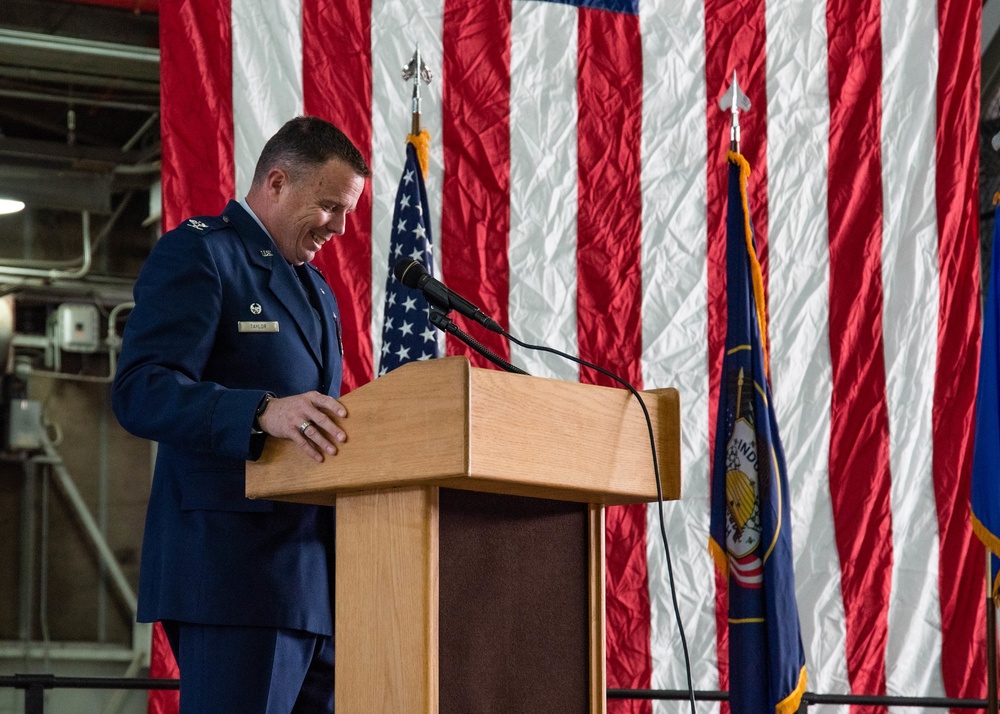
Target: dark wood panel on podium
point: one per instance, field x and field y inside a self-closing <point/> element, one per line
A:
<point x="470" y="533"/>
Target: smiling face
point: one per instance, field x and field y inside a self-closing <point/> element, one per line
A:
<point x="305" y="209"/>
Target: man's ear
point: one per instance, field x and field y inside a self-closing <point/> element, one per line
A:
<point x="276" y="181"/>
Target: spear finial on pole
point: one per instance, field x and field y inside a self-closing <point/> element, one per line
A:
<point x="417" y="71"/>
<point x="733" y="100"/>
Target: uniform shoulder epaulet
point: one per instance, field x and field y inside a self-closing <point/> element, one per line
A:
<point x="202" y="225"/>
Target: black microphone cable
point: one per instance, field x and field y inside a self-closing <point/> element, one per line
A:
<point x="659" y="493"/>
<point x="446" y="324"/>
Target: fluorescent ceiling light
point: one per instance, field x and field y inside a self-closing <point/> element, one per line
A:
<point x="9" y="205"/>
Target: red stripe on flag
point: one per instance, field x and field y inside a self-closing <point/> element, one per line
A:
<point x="162" y="665"/>
<point x="609" y="299"/>
<point x="199" y="174"/>
<point x="475" y="211"/>
<point x="859" y="430"/>
<point x="609" y="199"/>
<point x="960" y="559"/>
<point x="735" y="39"/>
<point x="347" y="261"/>
<point x="629" y="661"/>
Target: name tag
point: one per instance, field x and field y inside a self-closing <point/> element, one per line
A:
<point x="248" y="326"/>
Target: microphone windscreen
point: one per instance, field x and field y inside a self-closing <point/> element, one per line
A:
<point x="408" y="272"/>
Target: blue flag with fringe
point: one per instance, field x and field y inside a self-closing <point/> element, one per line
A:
<point x="751" y="535"/>
<point x="986" y="455"/>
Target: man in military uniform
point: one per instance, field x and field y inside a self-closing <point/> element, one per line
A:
<point x="235" y="338"/>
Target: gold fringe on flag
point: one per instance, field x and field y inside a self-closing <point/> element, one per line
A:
<point x="755" y="272"/>
<point x="790" y="704"/>
<point x="422" y="143"/>
<point x="993" y="544"/>
<point x="720" y="556"/>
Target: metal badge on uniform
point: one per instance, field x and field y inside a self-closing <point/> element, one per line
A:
<point x="255" y="308"/>
<point x="266" y="253"/>
<point x="261" y="326"/>
<point x="197" y="225"/>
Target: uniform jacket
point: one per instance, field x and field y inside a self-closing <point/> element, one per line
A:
<point x="190" y="379"/>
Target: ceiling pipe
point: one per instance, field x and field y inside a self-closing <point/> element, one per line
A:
<point x="78" y="100"/>
<point x="136" y="6"/>
<point x="146" y="125"/>
<point x="34" y="74"/>
<point x="54" y="273"/>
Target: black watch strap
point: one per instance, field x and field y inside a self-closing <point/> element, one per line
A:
<point x="265" y="400"/>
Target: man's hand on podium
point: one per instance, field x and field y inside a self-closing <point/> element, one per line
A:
<point x="307" y="420"/>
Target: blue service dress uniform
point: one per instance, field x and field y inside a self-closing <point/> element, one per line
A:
<point x="220" y="320"/>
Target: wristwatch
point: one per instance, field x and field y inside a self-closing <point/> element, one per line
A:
<point x="265" y="400"/>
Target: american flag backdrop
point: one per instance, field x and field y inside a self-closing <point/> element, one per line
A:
<point x="577" y="192"/>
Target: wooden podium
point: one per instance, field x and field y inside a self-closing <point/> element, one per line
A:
<point x="470" y="533"/>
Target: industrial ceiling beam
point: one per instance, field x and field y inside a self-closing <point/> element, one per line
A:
<point x="60" y="78"/>
<point x="88" y="58"/>
<point x="82" y="157"/>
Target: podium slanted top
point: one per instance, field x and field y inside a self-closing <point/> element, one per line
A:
<point x="445" y="423"/>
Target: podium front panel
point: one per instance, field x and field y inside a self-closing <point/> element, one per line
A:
<point x="514" y="604"/>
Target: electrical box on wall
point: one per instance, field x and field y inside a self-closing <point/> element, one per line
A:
<point x="73" y="327"/>
<point x="25" y="425"/>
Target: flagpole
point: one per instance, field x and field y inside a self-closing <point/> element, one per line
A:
<point x="416" y="70"/>
<point x="734" y="100"/>
<point x="991" y="641"/>
<point x="406" y="327"/>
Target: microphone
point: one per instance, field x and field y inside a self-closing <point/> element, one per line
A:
<point x="413" y="275"/>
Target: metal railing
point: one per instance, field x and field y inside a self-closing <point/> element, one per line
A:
<point x="34" y="686"/>
<point x="808" y="699"/>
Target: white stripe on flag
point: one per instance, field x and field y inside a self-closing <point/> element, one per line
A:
<point x="396" y="30"/>
<point x="798" y="132"/>
<point x="543" y="186"/>
<point x="675" y="324"/>
<point x="910" y="281"/>
<point x="267" y="77"/>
